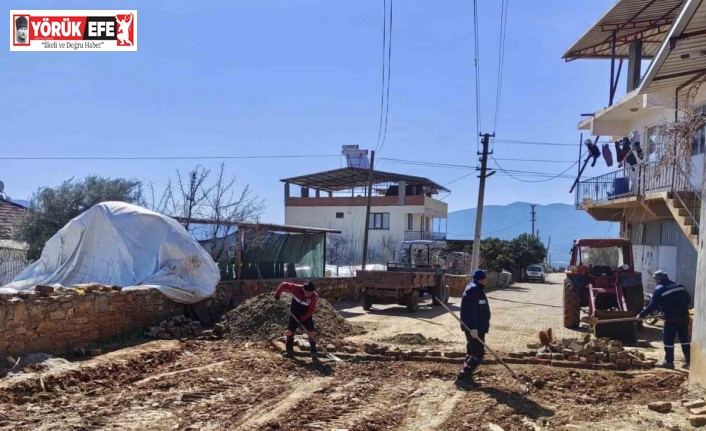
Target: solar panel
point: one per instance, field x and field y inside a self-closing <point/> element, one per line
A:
<point x="355" y="157"/>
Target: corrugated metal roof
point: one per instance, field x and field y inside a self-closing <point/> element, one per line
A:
<point x="682" y="57"/>
<point x="648" y="20"/>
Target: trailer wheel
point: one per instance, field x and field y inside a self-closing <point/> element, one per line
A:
<point x="367" y="302"/>
<point x="412" y="301"/>
<point x="572" y="306"/>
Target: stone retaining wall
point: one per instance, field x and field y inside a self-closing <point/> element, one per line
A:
<point x="57" y="324"/>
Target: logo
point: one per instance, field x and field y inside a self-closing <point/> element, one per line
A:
<point x="73" y="30"/>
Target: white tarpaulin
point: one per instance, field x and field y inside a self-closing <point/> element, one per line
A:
<point x="119" y="244"/>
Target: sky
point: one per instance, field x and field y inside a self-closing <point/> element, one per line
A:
<point x="303" y="77"/>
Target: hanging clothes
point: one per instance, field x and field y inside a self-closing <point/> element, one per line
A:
<point x="630" y="158"/>
<point x="593" y="151"/>
<point x="635" y="144"/>
<point x="619" y="154"/>
<point x="607" y="155"/>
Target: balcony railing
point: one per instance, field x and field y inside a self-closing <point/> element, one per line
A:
<point x="429" y="236"/>
<point x="629" y="181"/>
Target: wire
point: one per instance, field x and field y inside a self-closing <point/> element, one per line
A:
<point x="513" y="142"/>
<point x="501" y="59"/>
<point x="387" y="97"/>
<point x="382" y="88"/>
<point x="537" y="160"/>
<point x="432" y="164"/>
<point x="173" y="157"/>
<point x="477" y="66"/>
<point x="535" y="181"/>
<point x="506" y="228"/>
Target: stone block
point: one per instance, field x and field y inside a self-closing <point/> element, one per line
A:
<point x="533" y="346"/>
<point x="567" y="352"/>
<point x="544" y="356"/>
<point x="566" y="342"/>
<point x="615" y="349"/>
<point x="623" y="355"/>
<point x="622" y="361"/>
<point x="57" y="315"/>
<point x="697" y="420"/>
<point x="574" y="358"/>
<point x="695" y="404"/>
<point x="698" y="411"/>
<point x="660" y="406"/>
<point x="434" y="354"/>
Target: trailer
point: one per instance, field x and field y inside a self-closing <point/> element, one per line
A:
<point x="404" y="283"/>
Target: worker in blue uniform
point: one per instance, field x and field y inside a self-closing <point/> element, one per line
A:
<point x="475" y="314"/>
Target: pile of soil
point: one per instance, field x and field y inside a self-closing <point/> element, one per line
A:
<point x="413" y="339"/>
<point x="263" y="318"/>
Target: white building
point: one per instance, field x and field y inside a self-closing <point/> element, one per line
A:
<point x="657" y="202"/>
<point x="403" y="207"/>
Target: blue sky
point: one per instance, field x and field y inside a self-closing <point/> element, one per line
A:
<point x="266" y="77"/>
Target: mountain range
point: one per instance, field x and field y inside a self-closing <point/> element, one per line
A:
<point x="562" y="222"/>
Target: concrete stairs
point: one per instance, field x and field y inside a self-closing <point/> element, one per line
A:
<point x="686" y="210"/>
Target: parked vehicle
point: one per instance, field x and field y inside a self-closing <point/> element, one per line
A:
<point x="535" y="273"/>
<point x="656" y="315"/>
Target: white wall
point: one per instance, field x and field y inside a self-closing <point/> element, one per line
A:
<point x="650" y="258"/>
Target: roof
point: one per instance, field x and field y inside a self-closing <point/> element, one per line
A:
<point x="349" y="178"/>
<point x="258" y="226"/>
<point x="602" y="242"/>
<point x="10" y="213"/>
<point x="646" y="20"/>
<point x="682" y="58"/>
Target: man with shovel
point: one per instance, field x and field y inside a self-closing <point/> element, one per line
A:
<point x="302" y="310"/>
<point x="475" y="314"/>
<point x="674" y="300"/>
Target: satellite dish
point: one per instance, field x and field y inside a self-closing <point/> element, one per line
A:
<point x="2" y="187"/>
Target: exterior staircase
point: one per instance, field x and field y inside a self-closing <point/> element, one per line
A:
<point x="686" y="210"/>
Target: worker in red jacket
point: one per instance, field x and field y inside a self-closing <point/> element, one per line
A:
<point x="303" y="306"/>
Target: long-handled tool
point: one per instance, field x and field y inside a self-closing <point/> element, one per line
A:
<point x="328" y="355"/>
<point x="524" y="388"/>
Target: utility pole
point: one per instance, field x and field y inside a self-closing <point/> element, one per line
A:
<point x="367" y="210"/>
<point x="475" y="257"/>
<point x="533" y="213"/>
<point x="549" y="256"/>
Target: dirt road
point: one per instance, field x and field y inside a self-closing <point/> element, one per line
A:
<point x="518" y="314"/>
<point x="222" y="385"/>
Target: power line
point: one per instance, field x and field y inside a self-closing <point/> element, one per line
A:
<point x="387" y="97"/>
<point x="382" y="87"/>
<point x="533" y="181"/>
<point x="514" y="142"/>
<point x="477" y="66"/>
<point x="175" y="157"/>
<point x="501" y="59"/>
<point x="537" y="160"/>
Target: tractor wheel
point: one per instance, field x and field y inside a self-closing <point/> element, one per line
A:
<point x="412" y="301"/>
<point x="367" y="302"/>
<point x="572" y="306"/>
<point x="443" y="293"/>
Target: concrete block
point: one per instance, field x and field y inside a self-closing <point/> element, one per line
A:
<point x="660" y="406"/>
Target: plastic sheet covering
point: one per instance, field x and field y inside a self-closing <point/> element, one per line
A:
<point x="270" y="255"/>
<point x="119" y="244"/>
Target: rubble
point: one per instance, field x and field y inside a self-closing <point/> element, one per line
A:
<point x="660" y="406"/>
<point x="175" y="328"/>
<point x="413" y="339"/>
<point x="585" y="350"/>
<point x="263" y="318"/>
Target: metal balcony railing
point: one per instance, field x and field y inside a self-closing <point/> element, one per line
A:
<point x="628" y="181"/>
<point x="429" y="236"/>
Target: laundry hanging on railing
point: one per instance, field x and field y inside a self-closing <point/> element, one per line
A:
<point x="635" y="144"/>
<point x="607" y="155"/>
<point x="593" y="151"/>
<point x="630" y="158"/>
<point x="619" y="153"/>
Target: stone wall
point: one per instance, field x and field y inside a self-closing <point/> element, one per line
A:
<point x="231" y="293"/>
<point x="57" y="324"/>
<point x="457" y="283"/>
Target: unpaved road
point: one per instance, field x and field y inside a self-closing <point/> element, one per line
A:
<point x="519" y="312"/>
<point x="222" y="385"/>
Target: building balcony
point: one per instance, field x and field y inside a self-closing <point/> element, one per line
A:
<point x="426" y="236"/>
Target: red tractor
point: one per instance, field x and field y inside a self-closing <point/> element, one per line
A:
<point x="601" y="279"/>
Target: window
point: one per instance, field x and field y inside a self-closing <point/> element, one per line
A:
<point x="380" y="221"/>
<point x="339" y="215"/>
<point x="700" y="135"/>
<point x="427" y="225"/>
<point x="654" y="143"/>
<point x="410" y="222"/>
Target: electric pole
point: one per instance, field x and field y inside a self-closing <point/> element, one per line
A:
<point x="475" y="257"/>
<point x="533" y="213"/>
<point x="549" y="256"/>
<point x="367" y="210"/>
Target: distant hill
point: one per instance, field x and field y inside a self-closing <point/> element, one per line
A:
<point x="563" y="222"/>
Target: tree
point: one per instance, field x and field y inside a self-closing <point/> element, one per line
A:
<point x="495" y="255"/>
<point x="201" y="195"/>
<point x="384" y="251"/>
<point x="526" y="250"/>
<point x="52" y="208"/>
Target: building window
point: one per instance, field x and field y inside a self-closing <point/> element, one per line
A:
<point x="380" y="221"/>
<point x="410" y="222"/>
<point x="427" y="225"/>
<point x="700" y="135"/>
<point x="654" y="145"/>
<point x="339" y="215"/>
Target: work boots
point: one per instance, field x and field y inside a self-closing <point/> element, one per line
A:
<point x="290" y="348"/>
<point x="665" y="364"/>
<point x="465" y="382"/>
<point x="314" y="353"/>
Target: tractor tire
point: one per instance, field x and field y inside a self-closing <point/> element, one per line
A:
<point x="572" y="306"/>
<point x="412" y="301"/>
<point x="367" y="302"/>
<point x="443" y="293"/>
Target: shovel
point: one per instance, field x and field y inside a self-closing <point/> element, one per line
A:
<point x="524" y="389"/>
<point x="328" y="355"/>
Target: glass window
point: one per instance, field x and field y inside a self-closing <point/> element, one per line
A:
<point x="700" y="135"/>
<point x="379" y="220"/>
<point x="410" y="222"/>
<point x="654" y="145"/>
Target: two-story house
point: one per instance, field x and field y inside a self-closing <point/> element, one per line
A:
<point x="403" y="207"/>
<point x="656" y="192"/>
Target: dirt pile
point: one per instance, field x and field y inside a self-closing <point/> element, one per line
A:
<point x="413" y="339"/>
<point x="263" y="318"/>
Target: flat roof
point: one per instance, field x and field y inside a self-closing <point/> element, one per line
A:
<point x="349" y="178"/>
<point x="631" y="20"/>
<point x="258" y="226"/>
<point x="682" y="58"/>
